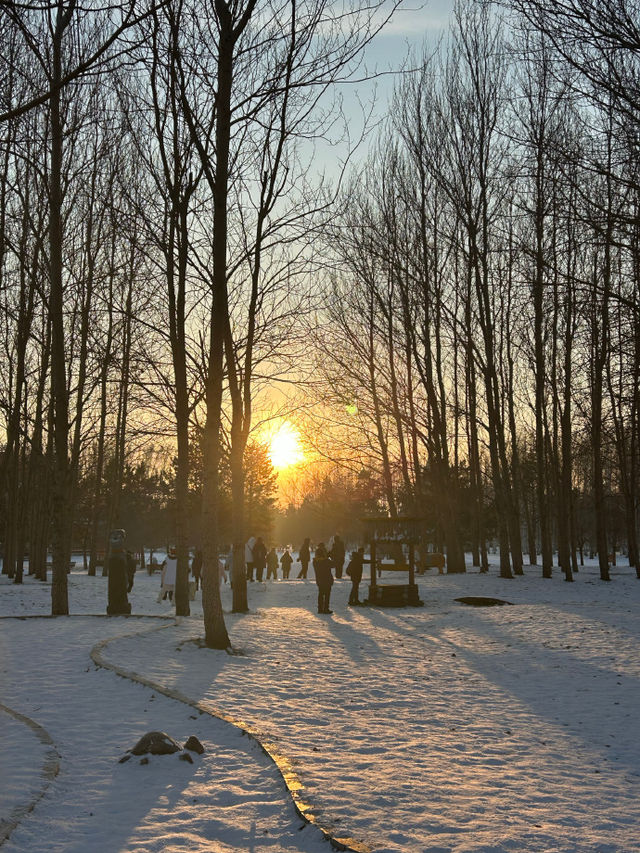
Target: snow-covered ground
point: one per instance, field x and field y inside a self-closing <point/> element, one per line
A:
<point x="441" y="728"/>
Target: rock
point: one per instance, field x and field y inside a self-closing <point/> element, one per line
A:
<point x="144" y="760"/>
<point x="156" y="743"/>
<point x="184" y="756"/>
<point x="194" y="745"/>
<point x="124" y="758"/>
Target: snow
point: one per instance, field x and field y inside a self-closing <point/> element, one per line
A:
<point x="441" y="728"/>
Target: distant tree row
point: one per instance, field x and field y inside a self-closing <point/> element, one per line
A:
<point x="481" y="333"/>
<point x="332" y="504"/>
<point x="148" y="503"/>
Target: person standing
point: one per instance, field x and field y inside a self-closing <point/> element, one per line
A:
<point x="354" y="570"/>
<point x="222" y="571"/>
<point x="324" y="577"/>
<point x="196" y="567"/>
<point x="285" y="562"/>
<point x="337" y="554"/>
<point x="248" y="556"/>
<point x="304" y="556"/>
<point x="272" y="564"/>
<point x="259" y="557"/>
<point x="168" y="577"/>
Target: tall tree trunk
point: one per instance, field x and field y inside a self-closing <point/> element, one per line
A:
<point x="40" y="470"/>
<point x="600" y="353"/>
<point x="514" y="465"/>
<point x="216" y="635"/>
<point x="61" y="481"/>
<point x="565" y="495"/>
<point x="178" y="348"/>
<point x="480" y="556"/>
<point x="378" y="419"/>
<point x="540" y="372"/>
<point x="97" y="499"/>
<point x="124" y="387"/>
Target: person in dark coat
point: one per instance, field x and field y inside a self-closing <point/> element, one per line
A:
<point x="272" y="565"/>
<point x="285" y="562"/>
<point x="354" y="570"/>
<point x="337" y="555"/>
<point x="304" y="556"/>
<point x="196" y="567"/>
<point x="259" y="557"/>
<point x="324" y="577"/>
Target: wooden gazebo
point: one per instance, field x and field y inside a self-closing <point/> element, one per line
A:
<point x="395" y="536"/>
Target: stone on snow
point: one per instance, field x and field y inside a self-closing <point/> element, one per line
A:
<point x="194" y="745"/>
<point x="156" y="743"/>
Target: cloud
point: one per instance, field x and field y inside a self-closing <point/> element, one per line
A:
<point x="418" y="19"/>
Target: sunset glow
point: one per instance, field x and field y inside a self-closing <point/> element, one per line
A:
<point x="284" y="447"/>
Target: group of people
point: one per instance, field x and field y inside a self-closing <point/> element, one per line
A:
<point x="260" y="560"/>
<point x="257" y="558"/>
<point x="169" y="572"/>
<point x="325" y="562"/>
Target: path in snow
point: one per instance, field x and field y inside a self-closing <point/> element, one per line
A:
<point x="445" y="728"/>
<point x="230" y="799"/>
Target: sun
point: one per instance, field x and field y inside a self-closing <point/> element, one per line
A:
<point x="284" y="447"/>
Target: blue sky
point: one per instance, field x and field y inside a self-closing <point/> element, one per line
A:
<point x="412" y="26"/>
<point x="416" y="18"/>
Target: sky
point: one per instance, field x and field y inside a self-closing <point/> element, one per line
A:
<point x="412" y="27"/>
<point x="404" y="36"/>
<point x="414" y="21"/>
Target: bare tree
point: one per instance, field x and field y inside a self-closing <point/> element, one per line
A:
<point x="538" y="122"/>
<point x="270" y="66"/>
<point x="598" y="38"/>
<point x="112" y="21"/>
<point x="165" y="211"/>
<point x="473" y="182"/>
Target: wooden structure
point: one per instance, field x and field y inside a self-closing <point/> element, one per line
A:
<point x="393" y="535"/>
